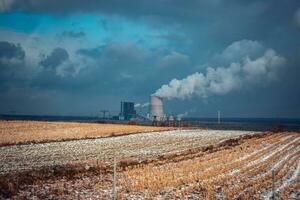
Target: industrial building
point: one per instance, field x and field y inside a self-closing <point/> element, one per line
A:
<point x="127" y="110"/>
<point x="156" y="115"/>
<point x="156" y="112"/>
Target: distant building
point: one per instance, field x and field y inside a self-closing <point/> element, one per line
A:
<point x="156" y="109"/>
<point x="127" y="110"/>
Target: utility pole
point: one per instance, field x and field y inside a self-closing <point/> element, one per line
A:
<point x="273" y="184"/>
<point x="104" y="112"/>
<point x="114" y="180"/>
<point x="219" y="117"/>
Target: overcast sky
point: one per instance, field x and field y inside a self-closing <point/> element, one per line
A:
<point x="67" y="57"/>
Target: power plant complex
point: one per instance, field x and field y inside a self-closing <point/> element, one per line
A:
<point x="155" y="111"/>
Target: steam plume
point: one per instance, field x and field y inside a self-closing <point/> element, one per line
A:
<point x="222" y="80"/>
<point x="141" y="105"/>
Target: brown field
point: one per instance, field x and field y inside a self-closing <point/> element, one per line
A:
<point x="242" y="172"/>
<point x="137" y="146"/>
<point x="230" y="172"/>
<point x="18" y="132"/>
<point x="188" y="164"/>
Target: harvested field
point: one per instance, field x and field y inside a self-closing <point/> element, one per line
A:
<point x="243" y="172"/>
<point x="198" y="164"/>
<point x="142" y="145"/>
<point x="22" y="132"/>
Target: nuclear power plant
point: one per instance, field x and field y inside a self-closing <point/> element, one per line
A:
<point x="151" y="112"/>
<point x="156" y="112"/>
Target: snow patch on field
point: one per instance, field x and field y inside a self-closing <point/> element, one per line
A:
<point x="260" y="160"/>
<point x="267" y="156"/>
<point x="285" y="158"/>
<point x="23" y="157"/>
<point x="286" y="181"/>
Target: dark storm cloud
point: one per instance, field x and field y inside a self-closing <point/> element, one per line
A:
<point x="119" y="61"/>
<point x="133" y="7"/>
<point x="114" y="69"/>
<point x="167" y="8"/>
<point x="193" y="33"/>
<point x="117" y="55"/>
<point x="10" y="50"/>
<point x="93" y="5"/>
<point x="91" y="52"/>
<point x="13" y="69"/>
<point x="200" y="27"/>
<point x="101" y="68"/>
<point x="213" y="23"/>
<point x="174" y="59"/>
<point x="73" y="34"/>
<point x="11" y="60"/>
<point x="57" y="57"/>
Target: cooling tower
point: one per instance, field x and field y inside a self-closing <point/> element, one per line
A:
<point x="156" y="108"/>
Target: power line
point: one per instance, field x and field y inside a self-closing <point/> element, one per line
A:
<point x="104" y="112"/>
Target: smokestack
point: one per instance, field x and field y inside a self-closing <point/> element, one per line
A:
<point x="156" y="108"/>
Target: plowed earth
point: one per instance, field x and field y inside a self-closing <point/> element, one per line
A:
<point x="198" y="164"/>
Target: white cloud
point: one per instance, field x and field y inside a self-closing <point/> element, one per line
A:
<point x="265" y="67"/>
<point x="37" y="47"/>
<point x="222" y="80"/>
<point x="238" y="50"/>
<point x="174" y="59"/>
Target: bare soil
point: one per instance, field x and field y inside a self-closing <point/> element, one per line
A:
<point x="176" y="164"/>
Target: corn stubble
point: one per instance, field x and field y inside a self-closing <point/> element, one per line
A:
<point x="24" y="132"/>
<point x="237" y="169"/>
<point x="240" y="172"/>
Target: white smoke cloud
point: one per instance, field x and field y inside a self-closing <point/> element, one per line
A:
<point x="181" y="115"/>
<point x="238" y="50"/>
<point x="222" y="80"/>
<point x="141" y="105"/>
<point x="137" y="105"/>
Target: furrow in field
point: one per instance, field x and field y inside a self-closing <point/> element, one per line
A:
<point x="243" y="170"/>
<point x="287" y="180"/>
<point x="262" y="175"/>
<point x="26" y="157"/>
<point x="262" y="158"/>
<point x="187" y="172"/>
<point x="226" y="182"/>
<point x="142" y="178"/>
<point x="232" y="168"/>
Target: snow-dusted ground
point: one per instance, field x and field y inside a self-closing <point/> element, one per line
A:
<point x="286" y="182"/>
<point x="257" y="161"/>
<point x="21" y="157"/>
<point x="260" y="156"/>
